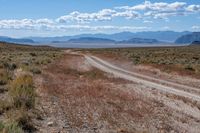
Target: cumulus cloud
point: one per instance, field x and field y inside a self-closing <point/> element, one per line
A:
<point x="162" y="10"/>
<point x="157" y="10"/>
<point x="27" y="24"/>
<point x="127" y="14"/>
<point x="160" y="6"/>
<point x="78" y="20"/>
<point x="103" y="15"/>
<point x="50" y="25"/>
<point x="193" y="8"/>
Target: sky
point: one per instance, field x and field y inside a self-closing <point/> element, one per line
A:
<point x="25" y="18"/>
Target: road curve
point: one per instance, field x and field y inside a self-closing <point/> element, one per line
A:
<point x="160" y="85"/>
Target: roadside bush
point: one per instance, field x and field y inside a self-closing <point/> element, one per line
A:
<point x="4" y="77"/>
<point x="4" y="106"/>
<point x="33" y="54"/>
<point x="22" y="92"/>
<point x="10" y="66"/>
<point x="22" y="117"/>
<point x="36" y="71"/>
<point x="10" y="128"/>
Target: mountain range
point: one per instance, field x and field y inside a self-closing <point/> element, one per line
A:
<point x="195" y="43"/>
<point x="148" y="37"/>
<point x="165" y="36"/>
<point x="15" y="40"/>
<point x="188" y="38"/>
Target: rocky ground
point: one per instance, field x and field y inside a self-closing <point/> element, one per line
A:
<point x="75" y="97"/>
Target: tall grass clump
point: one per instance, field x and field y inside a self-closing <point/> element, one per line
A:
<point x="10" y="128"/>
<point x="4" y="77"/>
<point x="22" y="92"/>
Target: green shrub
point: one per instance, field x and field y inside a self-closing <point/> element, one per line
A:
<point x="11" y="128"/>
<point x="22" y="92"/>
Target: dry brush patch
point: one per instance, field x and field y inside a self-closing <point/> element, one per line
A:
<point x="18" y="65"/>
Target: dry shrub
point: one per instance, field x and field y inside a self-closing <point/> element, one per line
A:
<point x="4" y="106"/>
<point x="22" y="92"/>
<point x="4" y="77"/>
<point x="22" y="118"/>
<point x="10" y="128"/>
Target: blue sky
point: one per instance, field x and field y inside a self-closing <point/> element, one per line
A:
<point x="22" y="18"/>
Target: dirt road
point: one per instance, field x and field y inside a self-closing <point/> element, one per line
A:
<point x="84" y="93"/>
<point x="161" y="85"/>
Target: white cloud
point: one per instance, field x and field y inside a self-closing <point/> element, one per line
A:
<point x="160" y="6"/>
<point x="166" y="28"/>
<point x="27" y="24"/>
<point x="196" y="27"/>
<point x="103" y="15"/>
<point x="127" y="14"/>
<point x="162" y="10"/>
<point x="78" y="20"/>
<point x="193" y="8"/>
<point x="50" y="25"/>
<point x="147" y="21"/>
<point x="157" y="10"/>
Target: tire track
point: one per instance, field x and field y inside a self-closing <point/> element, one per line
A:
<point x="142" y="79"/>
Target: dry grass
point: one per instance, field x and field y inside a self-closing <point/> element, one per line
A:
<point x="4" y="77"/>
<point x="22" y="92"/>
<point x="17" y="106"/>
<point x="10" y="128"/>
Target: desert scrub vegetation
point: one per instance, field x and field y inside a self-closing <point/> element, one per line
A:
<point x="18" y="107"/>
<point x="10" y="128"/>
<point x="180" y="59"/>
<point x="22" y="92"/>
<point x="17" y="91"/>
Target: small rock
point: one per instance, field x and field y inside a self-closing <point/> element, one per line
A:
<point x="50" y="124"/>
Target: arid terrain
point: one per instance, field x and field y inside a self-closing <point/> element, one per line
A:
<point x="103" y="91"/>
<point x="92" y="95"/>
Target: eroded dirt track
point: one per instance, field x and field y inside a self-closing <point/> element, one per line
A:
<point x="142" y="79"/>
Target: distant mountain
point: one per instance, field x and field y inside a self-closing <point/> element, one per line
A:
<point x="195" y="43"/>
<point x="189" y="38"/>
<point x="140" y="41"/>
<point x="166" y="36"/>
<point x="14" y="40"/>
<point x="90" y="40"/>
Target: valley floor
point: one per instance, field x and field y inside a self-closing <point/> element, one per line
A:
<point x="76" y="95"/>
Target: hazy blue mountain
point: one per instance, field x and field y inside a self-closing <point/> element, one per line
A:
<point x="140" y="41"/>
<point x="166" y="36"/>
<point x="91" y="40"/>
<point x="195" y="43"/>
<point x="14" y="40"/>
<point x="189" y="38"/>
